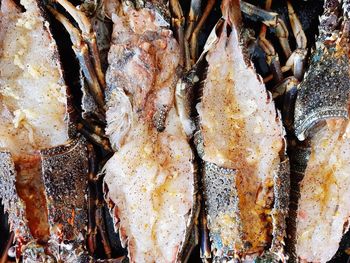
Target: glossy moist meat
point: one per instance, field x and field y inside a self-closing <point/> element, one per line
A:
<point x="32" y="92"/>
<point x="150" y="179"/>
<point x="32" y="109"/>
<point x="242" y="132"/>
<point x="324" y="208"/>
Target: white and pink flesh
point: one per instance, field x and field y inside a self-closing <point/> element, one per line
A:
<point x="150" y="178"/>
<point x="242" y="131"/>
<point x="32" y="92"/>
<point x="33" y="106"/>
<point x="324" y="205"/>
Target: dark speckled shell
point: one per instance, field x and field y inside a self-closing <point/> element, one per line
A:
<point x="281" y="188"/>
<point x="324" y="93"/>
<point x="8" y="194"/>
<point x="299" y="155"/>
<point x="221" y="196"/>
<point x="64" y="171"/>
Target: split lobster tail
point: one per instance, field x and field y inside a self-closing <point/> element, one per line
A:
<point x="43" y="161"/>
<point x="240" y="138"/>
<point x="321" y="165"/>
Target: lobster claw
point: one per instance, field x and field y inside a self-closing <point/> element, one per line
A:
<point x="62" y="172"/>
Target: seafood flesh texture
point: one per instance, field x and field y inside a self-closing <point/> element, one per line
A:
<point x="150" y="178"/>
<point x="323" y="206"/>
<point x="42" y="171"/>
<point x="241" y="140"/>
<point x="322" y="116"/>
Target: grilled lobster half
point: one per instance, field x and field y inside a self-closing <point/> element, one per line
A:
<point x="241" y="141"/>
<point x="321" y="164"/>
<point x="43" y="161"/>
<point x="150" y="181"/>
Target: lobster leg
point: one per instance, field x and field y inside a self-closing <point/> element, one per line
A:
<point x="287" y="90"/>
<point x="194" y="36"/>
<point x="281" y="88"/>
<point x="188" y="38"/>
<point x="289" y="99"/>
<point x="192" y="19"/>
<point x="296" y="27"/>
<point x="272" y="58"/>
<point x="88" y="35"/>
<point x="95" y="133"/>
<point x="102" y="229"/>
<point x="92" y="201"/>
<point x="4" y="255"/>
<point x="205" y="252"/>
<point x="297" y="60"/>
<point x="178" y="22"/>
<point x="96" y="221"/>
<point x="81" y="50"/>
<point x="272" y="20"/>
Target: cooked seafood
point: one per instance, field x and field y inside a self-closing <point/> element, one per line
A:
<point x="43" y="165"/>
<point x="323" y="209"/>
<point x="321" y="116"/>
<point x="241" y="140"/>
<point x="296" y="59"/>
<point x="150" y="180"/>
<point x="23" y="67"/>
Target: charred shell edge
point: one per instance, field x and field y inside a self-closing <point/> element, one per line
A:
<point x="299" y="153"/>
<point x="306" y="123"/>
<point x="15" y="207"/>
<point x="189" y="240"/>
<point x="8" y="194"/>
<point x="280" y="209"/>
<point x="64" y="172"/>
